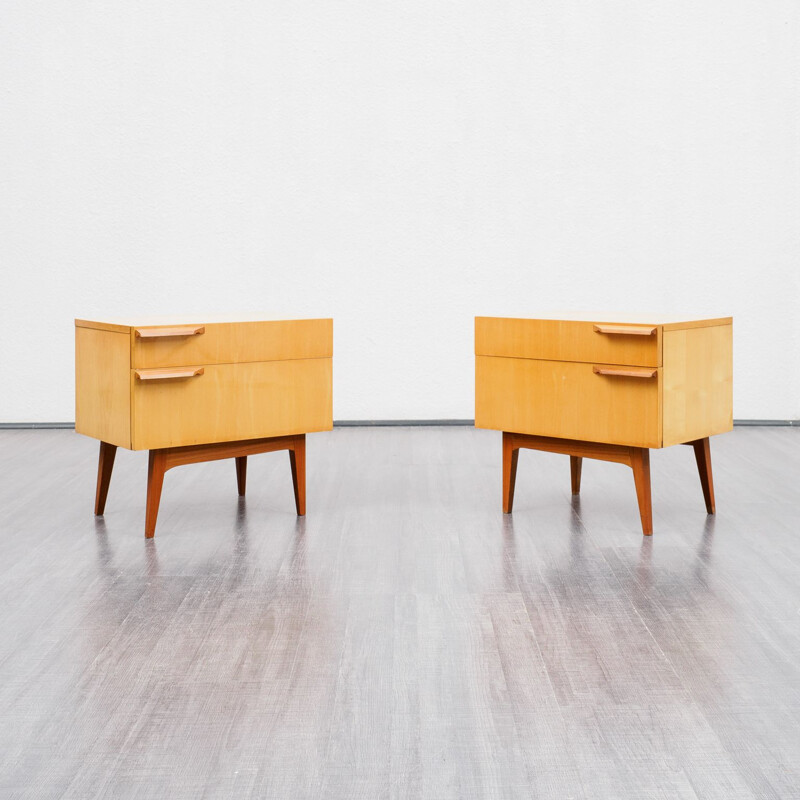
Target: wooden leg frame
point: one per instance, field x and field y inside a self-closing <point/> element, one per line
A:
<point x="637" y="458"/>
<point x="167" y="458"/>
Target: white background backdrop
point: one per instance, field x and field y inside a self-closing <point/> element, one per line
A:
<point x="400" y="166"/>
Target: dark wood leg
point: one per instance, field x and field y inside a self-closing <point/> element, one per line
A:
<point x="702" y="454"/>
<point x="640" y="462"/>
<point x="241" y="474"/>
<point x="575" y="465"/>
<point x="156" y="467"/>
<point x="510" y="458"/>
<point x="104" y="466"/>
<point x="297" y="458"/>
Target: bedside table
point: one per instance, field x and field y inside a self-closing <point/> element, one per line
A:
<point x="605" y="388"/>
<point x="201" y="391"/>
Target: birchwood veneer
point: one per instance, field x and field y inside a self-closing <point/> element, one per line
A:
<point x="565" y="399"/>
<point x="229" y="402"/>
<point x="236" y="342"/>
<point x="103" y="385"/>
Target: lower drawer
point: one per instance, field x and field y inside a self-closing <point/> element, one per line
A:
<point x="569" y="400"/>
<point x="226" y="402"/>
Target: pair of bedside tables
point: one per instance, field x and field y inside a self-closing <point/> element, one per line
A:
<point x="606" y="389"/>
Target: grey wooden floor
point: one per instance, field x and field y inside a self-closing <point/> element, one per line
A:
<point x="404" y="640"/>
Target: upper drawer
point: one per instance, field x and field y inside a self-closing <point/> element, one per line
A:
<point x="568" y="340"/>
<point x="231" y="342"/>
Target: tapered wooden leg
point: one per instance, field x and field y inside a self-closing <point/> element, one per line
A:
<point x="575" y="465"/>
<point x="640" y="462"/>
<point x="510" y="457"/>
<point x="156" y="467"/>
<point x="104" y="466"/>
<point x="297" y="458"/>
<point x="241" y="474"/>
<point x="702" y="454"/>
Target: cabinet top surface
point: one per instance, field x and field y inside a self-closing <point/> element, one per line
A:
<point x="625" y="317"/>
<point x="115" y="323"/>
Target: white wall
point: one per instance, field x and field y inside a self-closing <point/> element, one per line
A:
<point x="400" y="166"/>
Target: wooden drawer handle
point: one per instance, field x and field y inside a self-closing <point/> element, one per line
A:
<point x="175" y="330"/>
<point x="626" y="330"/>
<point x="625" y="373"/>
<point x="168" y="374"/>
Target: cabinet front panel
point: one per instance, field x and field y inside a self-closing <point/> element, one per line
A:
<point x="233" y="342"/>
<point x="228" y="402"/>
<point x="568" y="400"/>
<point x="568" y="341"/>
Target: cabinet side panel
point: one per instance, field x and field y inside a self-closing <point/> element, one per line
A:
<point x="698" y="383"/>
<point x="102" y="385"/>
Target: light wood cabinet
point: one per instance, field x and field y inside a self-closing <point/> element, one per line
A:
<point x="202" y="390"/>
<point x="592" y="386"/>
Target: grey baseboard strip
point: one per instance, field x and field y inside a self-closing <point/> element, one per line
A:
<point x="744" y="423"/>
<point x="402" y="423"/>
<point x="27" y="425"/>
<point x="399" y="423"/>
<point x="339" y="423"/>
<point x="414" y="423"/>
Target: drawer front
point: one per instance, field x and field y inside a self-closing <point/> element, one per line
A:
<point x="568" y="400"/>
<point x="227" y="402"/>
<point x="600" y="342"/>
<point x="231" y="342"/>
